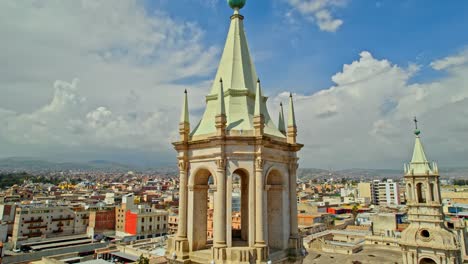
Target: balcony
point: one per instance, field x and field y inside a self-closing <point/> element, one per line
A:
<point x="69" y="218"/>
<point x="34" y="221"/>
<point x="60" y="230"/>
<point x="37" y="227"/>
<point x="60" y="224"/>
<point x="34" y="234"/>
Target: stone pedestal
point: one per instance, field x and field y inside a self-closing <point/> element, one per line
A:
<point x="219" y="253"/>
<point x="177" y="250"/>
<point x="296" y="248"/>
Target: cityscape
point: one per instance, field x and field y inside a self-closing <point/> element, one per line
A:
<point x="245" y="180"/>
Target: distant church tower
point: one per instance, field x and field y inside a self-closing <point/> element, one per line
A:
<point x="236" y="138"/>
<point x="426" y="240"/>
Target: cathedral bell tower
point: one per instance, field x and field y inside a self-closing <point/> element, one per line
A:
<point x="237" y="195"/>
<point x="426" y="240"/>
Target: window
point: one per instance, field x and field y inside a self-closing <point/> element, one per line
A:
<point x="142" y="220"/>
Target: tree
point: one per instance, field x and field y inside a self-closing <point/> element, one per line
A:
<point x="355" y="212"/>
<point x="142" y="260"/>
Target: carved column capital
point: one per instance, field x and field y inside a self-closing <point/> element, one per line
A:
<point x="221" y="164"/>
<point x="259" y="164"/>
<point x="293" y="166"/>
<point x="183" y="165"/>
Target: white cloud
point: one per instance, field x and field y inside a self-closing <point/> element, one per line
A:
<point x="127" y="94"/>
<point x="365" y="120"/>
<point x="128" y="63"/>
<point x="318" y="11"/>
<point x="451" y="61"/>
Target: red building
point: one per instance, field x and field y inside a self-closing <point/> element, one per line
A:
<point x="102" y="220"/>
<point x="146" y="222"/>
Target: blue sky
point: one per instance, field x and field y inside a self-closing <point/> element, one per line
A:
<point x="104" y="79"/>
<point x="300" y="56"/>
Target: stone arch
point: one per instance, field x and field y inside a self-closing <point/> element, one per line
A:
<point x="275" y="186"/>
<point x="427" y="260"/>
<point x="199" y="173"/>
<point x="199" y="187"/>
<point x="244" y="176"/>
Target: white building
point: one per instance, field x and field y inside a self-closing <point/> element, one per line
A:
<point x="385" y="192"/>
<point x="42" y="221"/>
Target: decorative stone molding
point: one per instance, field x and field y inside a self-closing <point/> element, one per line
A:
<point x="259" y="164"/>
<point x="221" y="164"/>
<point x="183" y="165"/>
<point x="293" y="166"/>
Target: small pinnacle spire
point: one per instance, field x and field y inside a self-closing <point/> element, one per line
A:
<point x="281" y="126"/>
<point x="292" y="115"/>
<point x="221" y="106"/>
<point x="258" y="100"/>
<point x="184" y="117"/>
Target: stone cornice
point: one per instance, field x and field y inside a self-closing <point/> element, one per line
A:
<point x="215" y="141"/>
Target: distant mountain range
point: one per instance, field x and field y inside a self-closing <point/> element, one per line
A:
<point x="31" y="164"/>
<point x="34" y="164"/>
<point x="368" y="174"/>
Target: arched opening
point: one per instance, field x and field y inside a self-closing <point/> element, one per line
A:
<point x="240" y="208"/>
<point x="421" y="192"/>
<point x="427" y="261"/>
<point x="276" y="230"/>
<point x="431" y="191"/>
<point x="201" y="200"/>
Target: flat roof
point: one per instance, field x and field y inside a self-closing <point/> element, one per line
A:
<point x="69" y="243"/>
<point x="48" y="240"/>
<point x="125" y="256"/>
<point x="95" y="261"/>
<point x="71" y="259"/>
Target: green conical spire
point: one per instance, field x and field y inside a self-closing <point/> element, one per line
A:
<point x="292" y="115"/>
<point x="419" y="163"/>
<point x="258" y="100"/>
<point x="419" y="156"/>
<point x="281" y="126"/>
<point x="221" y="105"/>
<point x="184" y="117"/>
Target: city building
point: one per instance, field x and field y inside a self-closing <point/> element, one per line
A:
<point x="146" y="222"/>
<point x="237" y="137"/>
<point x="47" y="221"/>
<point x="364" y="190"/>
<point x="101" y="220"/>
<point x="385" y="192"/>
<point x="426" y="240"/>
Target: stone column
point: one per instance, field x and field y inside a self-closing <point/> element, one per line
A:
<point x="293" y="199"/>
<point x="428" y="191"/>
<point x="260" y="210"/>
<point x="219" y="219"/>
<point x="182" y="227"/>
<point x="295" y="240"/>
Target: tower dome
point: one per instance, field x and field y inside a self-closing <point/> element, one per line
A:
<point x="236" y="4"/>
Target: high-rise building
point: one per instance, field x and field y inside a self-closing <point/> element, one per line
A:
<point x="384" y="192"/>
<point x="236" y="137"/>
<point x="426" y="240"/>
